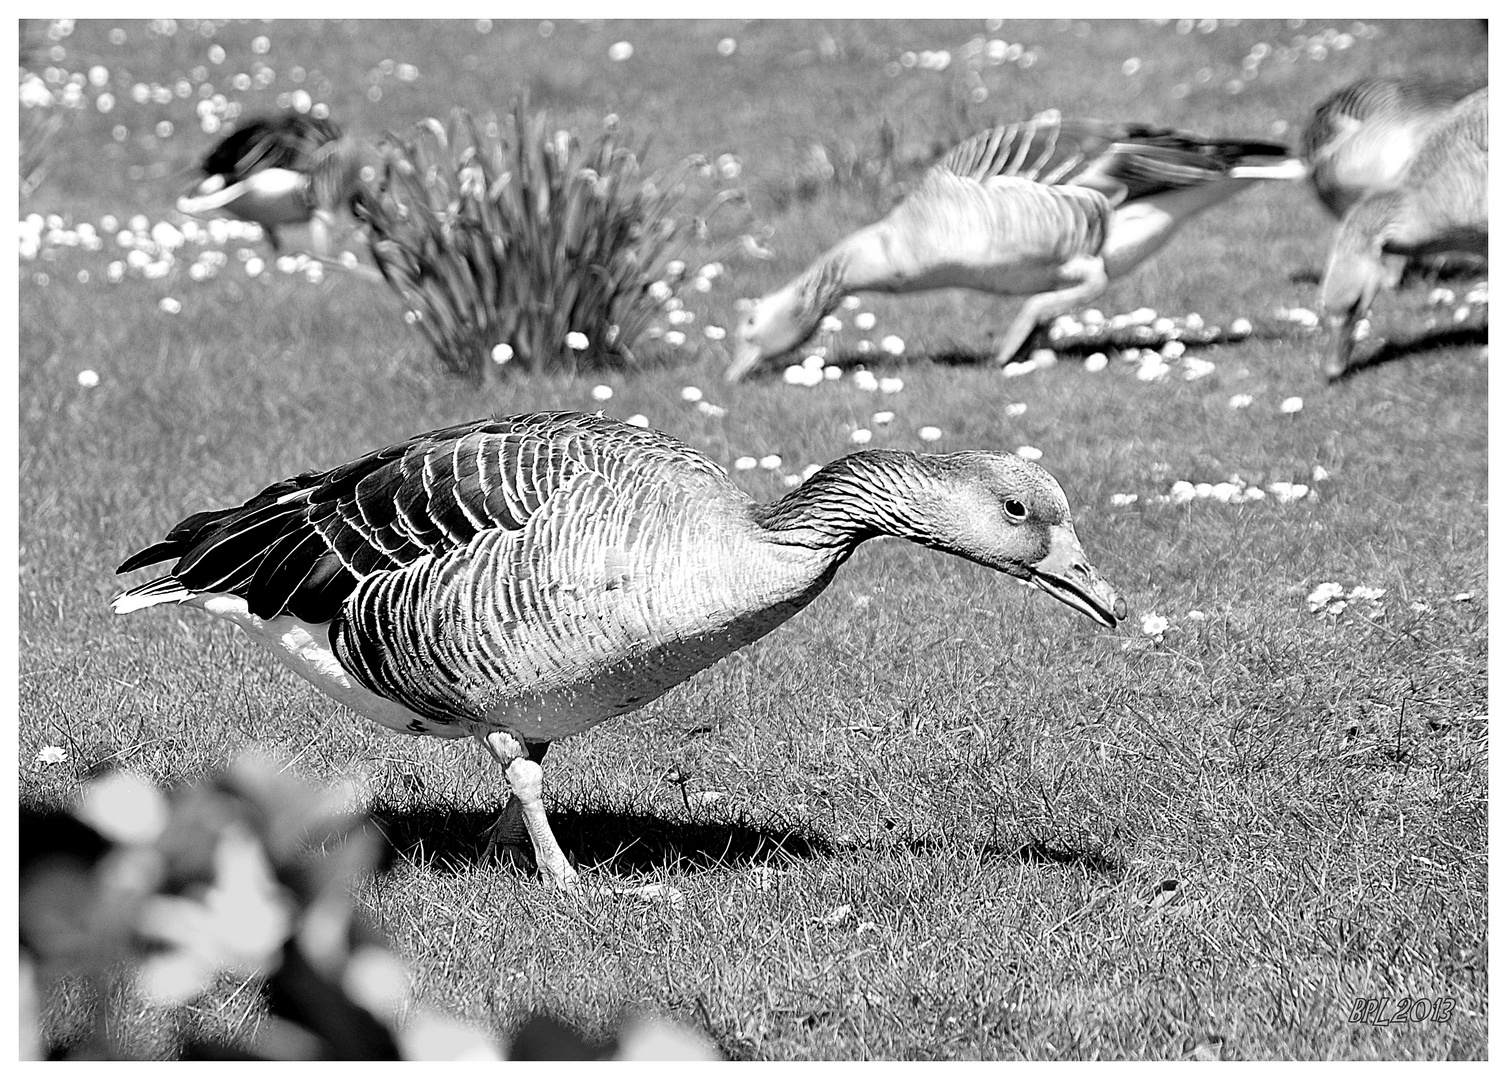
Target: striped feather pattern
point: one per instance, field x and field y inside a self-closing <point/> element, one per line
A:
<point x="300" y="546"/>
<point x="1047" y="151"/>
<point x="1363" y="137"/>
<point x="1126" y="161"/>
<point x="954" y="232"/>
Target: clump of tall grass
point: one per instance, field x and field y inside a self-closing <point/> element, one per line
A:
<point x="513" y="245"/>
<point x="41" y="122"/>
<point x="37" y="136"/>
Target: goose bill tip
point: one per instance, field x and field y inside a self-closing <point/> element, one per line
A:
<point x="1336" y="359"/>
<point x="1066" y="575"/>
<point x="1093" y="597"/>
<point x="745" y="359"/>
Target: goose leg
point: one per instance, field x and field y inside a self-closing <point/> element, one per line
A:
<point x="320" y="228"/>
<point x="1088" y="280"/>
<point x="508" y="834"/>
<point x="527" y="781"/>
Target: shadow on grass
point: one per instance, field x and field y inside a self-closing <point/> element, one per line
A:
<point x="1401" y="348"/>
<point x="1085" y="346"/>
<point x="452" y="841"/>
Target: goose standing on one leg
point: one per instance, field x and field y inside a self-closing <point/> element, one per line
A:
<point x="1362" y="138"/>
<point x="521" y="579"/>
<point x="1440" y="205"/>
<point x="1050" y="209"/>
<point x="278" y="171"/>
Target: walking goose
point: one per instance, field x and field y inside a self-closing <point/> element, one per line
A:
<point x="1363" y="137"/>
<point x="281" y="170"/>
<point x="1051" y="209"/>
<point x="1439" y="206"/>
<point x="521" y="579"/>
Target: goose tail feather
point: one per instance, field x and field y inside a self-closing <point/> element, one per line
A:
<point x="1291" y="169"/>
<point x="163" y="590"/>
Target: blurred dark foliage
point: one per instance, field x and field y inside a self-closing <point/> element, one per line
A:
<point x="142" y="894"/>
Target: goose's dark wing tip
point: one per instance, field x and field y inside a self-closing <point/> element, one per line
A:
<point x="158" y="552"/>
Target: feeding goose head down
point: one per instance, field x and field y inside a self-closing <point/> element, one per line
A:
<point x="1440" y="205"/>
<point x="523" y="578"/>
<point x="1048" y="209"/>
<point x="1011" y="515"/>
<point x="783" y="320"/>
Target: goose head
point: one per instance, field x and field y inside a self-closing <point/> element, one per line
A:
<point x="778" y="323"/>
<point x="1358" y="270"/>
<point x="1011" y="515"/>
<point x="1345" y="303"/>
<point x="785" y="318"/>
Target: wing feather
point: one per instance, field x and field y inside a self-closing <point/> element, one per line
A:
<point x="304" y="544"/>
<point x="1123" y="161"/>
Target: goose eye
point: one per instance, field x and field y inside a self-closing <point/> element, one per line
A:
<point x="1015" y="510"/>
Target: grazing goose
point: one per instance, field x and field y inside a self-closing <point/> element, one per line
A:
<point x="1051" y="209"/>
<point x="281" y="170"/>
<point x="521" y="579"/>
<point x="1362" y="138"/>
<point x="1439" y="206"/>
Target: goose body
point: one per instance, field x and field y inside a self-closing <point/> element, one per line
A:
<point x="278" y="171"/>
<point x="1362" y="138"/>
<point x="1439" y="206"/>
<point x="1049" y="209"/>
<point x="521" y="579"/>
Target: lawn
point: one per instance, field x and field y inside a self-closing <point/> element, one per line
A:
<point x="952" y="819"/>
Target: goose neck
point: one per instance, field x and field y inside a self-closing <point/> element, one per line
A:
<point x="867" y="494"/>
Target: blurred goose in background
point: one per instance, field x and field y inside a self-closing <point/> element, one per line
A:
<point x="1362" y="138"/>
<point x="522" y="579"/>
<point x="278" y="171"/>
<point x="1051" y="209"/>
<point x="1440" y="205"/>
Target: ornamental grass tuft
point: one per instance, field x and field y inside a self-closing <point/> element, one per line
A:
<point x="503" y="232"/>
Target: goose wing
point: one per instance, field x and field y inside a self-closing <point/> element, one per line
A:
<point x="1362" y="138"/>
<point x="1122" y="161"/>
<point x="1398" y="100"/>
<point x="1047" y="150"/>
<point x="302" y="545"/>
<point x="1148" y="161"/>
<point x="1448" y="179"/>
<point x="278" y="142"/>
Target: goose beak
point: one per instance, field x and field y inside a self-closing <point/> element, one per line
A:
<point x="745" y="358"/>
<point x="1341" y="345"/>
<point x="1066" y="574"/>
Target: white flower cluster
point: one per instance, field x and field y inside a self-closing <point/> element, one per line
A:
<point x="1233" y="490"/>
<point x="1330" y="598"/>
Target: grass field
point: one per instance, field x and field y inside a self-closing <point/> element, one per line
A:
<point x="955" y="819"/>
